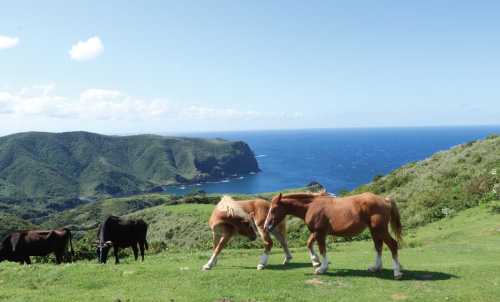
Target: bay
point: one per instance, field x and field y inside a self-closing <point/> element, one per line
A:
<point x="335" y="158"/>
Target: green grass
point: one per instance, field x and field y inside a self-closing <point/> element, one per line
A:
<point x="187" y="208"/>
<point x="455" y="259"/>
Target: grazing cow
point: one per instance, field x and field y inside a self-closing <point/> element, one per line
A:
<point x="18" y="246"/>
<point x="118" y="232"/>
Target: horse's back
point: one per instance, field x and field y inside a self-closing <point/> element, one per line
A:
<point x="346" y="216"/>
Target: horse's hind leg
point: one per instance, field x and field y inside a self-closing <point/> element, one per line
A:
<point x="314" y="256"/>
<point x="393" y="246"/>
<point x="268" y="244"/>
<point x="378" y="254"/>
<point x="219" y="244"/>
<point x="320" y="238"/>
<point x="282" y="240"/>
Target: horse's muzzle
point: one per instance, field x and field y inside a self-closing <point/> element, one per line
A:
<point x="268" y="228"/>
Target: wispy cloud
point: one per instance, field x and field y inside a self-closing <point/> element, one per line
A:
<point x="8" y="42"/>
<point x="101" y="104"/>
<point x="86" y="50"/>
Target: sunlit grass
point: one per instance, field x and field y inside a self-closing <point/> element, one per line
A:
<point x="453" y="259"/>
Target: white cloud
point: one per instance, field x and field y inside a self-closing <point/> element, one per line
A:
<point x="86" y="50"/>
<point x="8" y="42"/>
<point x="45" y="89"/>
<point x="35" y="108"/>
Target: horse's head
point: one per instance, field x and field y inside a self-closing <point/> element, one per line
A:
<point x="275" y="215"/>
<point x="102" y="250"/>
<point x="247" y="229"/>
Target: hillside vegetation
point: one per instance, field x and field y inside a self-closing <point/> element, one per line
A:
<point x="49" y="172"/>
<point x="450" y="181"/>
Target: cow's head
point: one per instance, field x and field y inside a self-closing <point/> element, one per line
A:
<point x="103" y="250"/>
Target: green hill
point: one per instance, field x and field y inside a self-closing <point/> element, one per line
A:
<point x="51" y="168"/>
<point x="450" y="181"/>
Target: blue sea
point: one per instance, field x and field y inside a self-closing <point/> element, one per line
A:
<point x="335" y="158"/>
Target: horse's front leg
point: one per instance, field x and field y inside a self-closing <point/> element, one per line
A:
<point x="320" y="238"/>
<point x="282" y="240"/>
<point x="218" y="246"/>
<point x="314" y="256"/>
<point x="268" y="244"/>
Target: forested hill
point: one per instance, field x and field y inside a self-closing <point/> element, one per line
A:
<point x="36" y="165"/>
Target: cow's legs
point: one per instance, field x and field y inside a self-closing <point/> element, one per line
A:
<point x="141" y="247"/>
<point x="58" y="257"/>
<point x="136" y="251"/>
<point x="66" y="253"/>
<point x="115" y="250"/>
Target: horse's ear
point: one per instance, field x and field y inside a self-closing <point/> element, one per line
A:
<point x="279" y="198"/>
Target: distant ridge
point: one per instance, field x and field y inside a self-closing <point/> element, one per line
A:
<point x="51" y="166"/>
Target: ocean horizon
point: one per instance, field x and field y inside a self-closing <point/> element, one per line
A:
<point x="337" y="158"/>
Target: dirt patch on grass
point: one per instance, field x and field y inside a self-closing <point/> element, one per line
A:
<point x="399" y="297"/>
<point x="314" y="281"/>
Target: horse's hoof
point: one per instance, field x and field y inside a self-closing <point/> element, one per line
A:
<point x="399" y="277"/>
<point x="260" y="267"/>
<point x="205" y="268"/>
<point x="317" y="273"/>
<point x="316" y="265"/>
<point x="374" y="270"/>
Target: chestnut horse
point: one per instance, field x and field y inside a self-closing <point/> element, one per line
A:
<point x="341" y="217"/>
<point x="232" y="218"/>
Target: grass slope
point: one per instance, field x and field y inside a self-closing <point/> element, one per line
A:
<point x="449" y="260"/>
<point x="450" y="181"/>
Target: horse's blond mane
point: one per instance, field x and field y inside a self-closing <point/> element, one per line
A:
<point x="227" y="204"/>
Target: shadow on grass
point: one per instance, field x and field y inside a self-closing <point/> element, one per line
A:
<point x="408" y="275"/>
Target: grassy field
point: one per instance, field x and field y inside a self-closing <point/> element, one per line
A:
<point x="455" y="259"/>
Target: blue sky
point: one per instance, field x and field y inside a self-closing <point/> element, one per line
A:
<point x="177" y="66"/>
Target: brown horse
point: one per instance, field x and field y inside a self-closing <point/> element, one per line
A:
<point x="342" y="217"/>
<point x="232" y="218"/>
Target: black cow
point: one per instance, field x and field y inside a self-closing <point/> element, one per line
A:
<point x="119" y="232"/>
<point x="18" y="246"/>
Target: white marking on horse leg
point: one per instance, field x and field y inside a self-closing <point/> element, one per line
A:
<point x="324" y="265"/>
<point x="282" y="240"/>
<point x="314" y="257"/>
<point x="210" y="263"/>
<point x="378" y="264"/>
<point x="263" y="261"/>
<point x="267" y="217"/>
<point x="397" y="268"/>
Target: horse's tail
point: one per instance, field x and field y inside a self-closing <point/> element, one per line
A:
<point x="146" y="243"/>
<point x="282" y="228"/>
<point x="396" y="226"/>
